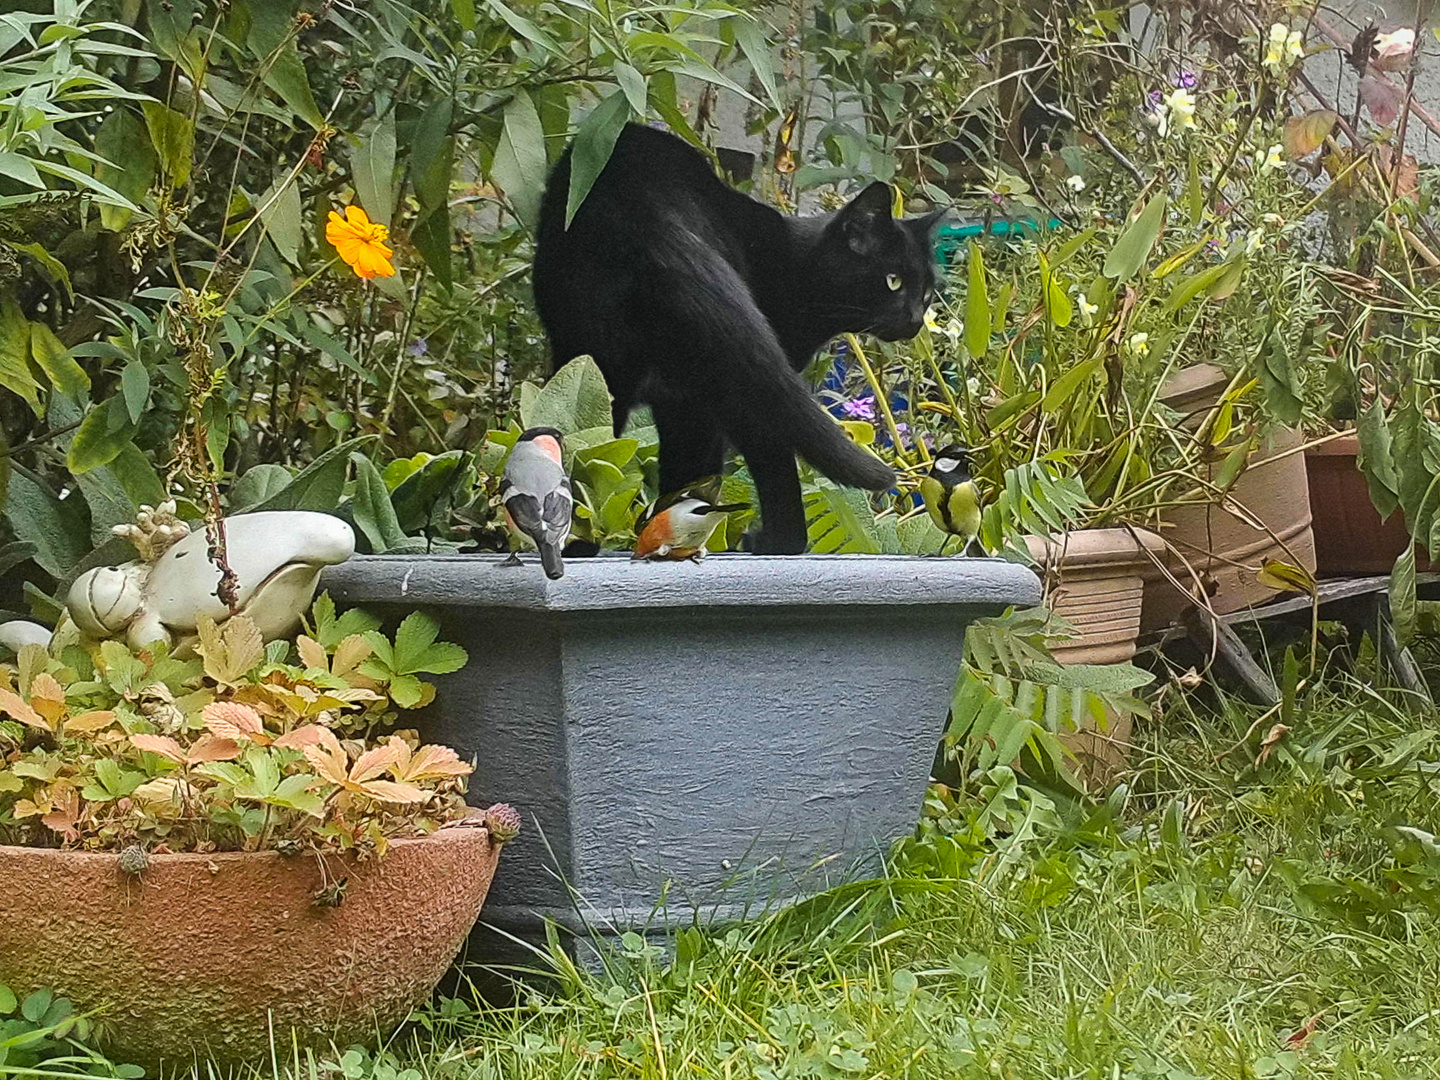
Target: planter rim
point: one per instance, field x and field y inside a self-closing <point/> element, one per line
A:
<point x="720" y="581"/>
<point x="221" y="858"/>
<point x="1347" y="445"/>
<point x="1087" y="548"/>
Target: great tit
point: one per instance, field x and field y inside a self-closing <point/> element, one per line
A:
<point x="536" y="494"/>
<point x="679" y="528"/>
<point x="951" y="496"/>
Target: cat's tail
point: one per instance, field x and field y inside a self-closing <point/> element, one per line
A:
<point x="742" y="368"/>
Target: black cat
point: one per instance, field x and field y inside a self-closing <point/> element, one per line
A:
<point x="706" y="304"/>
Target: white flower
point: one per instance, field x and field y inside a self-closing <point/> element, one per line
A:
<point x="1179" y="111"/>
<point x="972" y="386"/>
<point x="1284" y="47"/>
<point x="1087" y="310"/>
<point x="1273" y="221"/>
<point x="1270" y="160"/>
<point x="1138" y="345"/>
<point x="1075" y="182"/>
<point x="1253" y="240"/>
<point x="930" y="323"/>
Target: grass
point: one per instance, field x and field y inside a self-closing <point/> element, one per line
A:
<point x="1223" y="916"/>
<point x="1228" y="913"/>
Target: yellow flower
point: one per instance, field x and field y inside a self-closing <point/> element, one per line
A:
<point x="361" y="243"/>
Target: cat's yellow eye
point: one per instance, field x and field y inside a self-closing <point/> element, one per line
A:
<point x="893" y="282"/>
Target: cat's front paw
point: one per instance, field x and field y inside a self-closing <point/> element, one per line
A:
<point x="765" y="543"/>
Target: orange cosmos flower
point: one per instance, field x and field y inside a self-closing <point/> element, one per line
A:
<point x="361" y="243"/>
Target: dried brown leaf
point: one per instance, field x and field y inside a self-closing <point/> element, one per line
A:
<point x="15" y="706"/>
<point x="88" y="723"/>
<point x="232" y="720"/>
<point x="162" y="745"/>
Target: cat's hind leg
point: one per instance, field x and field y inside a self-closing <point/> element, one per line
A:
<point x="692" y="446"/>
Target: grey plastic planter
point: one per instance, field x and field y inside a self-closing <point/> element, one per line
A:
<point x="727" y="734"/>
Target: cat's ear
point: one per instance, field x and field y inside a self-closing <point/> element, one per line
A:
<point x="864" y="218"/>
<point x="925" y="226"/>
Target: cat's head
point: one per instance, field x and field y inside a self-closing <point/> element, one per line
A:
<point x="873" y="272"/>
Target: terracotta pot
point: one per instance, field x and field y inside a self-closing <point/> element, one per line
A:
<point x="1350" y="538"/>
<point x="1224" y="549"/>
<point x="1096" y="583"/>
<point x="204" y="955"/>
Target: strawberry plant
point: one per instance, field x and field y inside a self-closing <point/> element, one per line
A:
<point x="246" y="747"/>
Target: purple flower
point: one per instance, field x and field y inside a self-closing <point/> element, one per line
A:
<point x="859" y="408"/>
<point x="1185" y="80"/>
<point x="418" y="347"/>
<point x="1152" y="100"/>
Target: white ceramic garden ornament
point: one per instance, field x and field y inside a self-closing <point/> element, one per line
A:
<point x="276" y="555"/>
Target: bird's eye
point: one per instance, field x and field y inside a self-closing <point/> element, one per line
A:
<point x="893" y="282"/>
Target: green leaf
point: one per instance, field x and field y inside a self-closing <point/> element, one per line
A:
<point x="1375" y="460"/>
<point x="259" y="483"/>
<point x="520" y="164"/>
<point x="431" y="237"/>
<point x="431" y="154"/>
<point x="55" y="360"/>
<point x="840" y="521"/>
<point x="417" y="497"/>
<point x="406" y="691"/>
<point x="370" y="505"/>
<point x="37" y="1005"/>
<point x="1194" y="193"/>
<point x="173" y="137"/>
<point x="416" y="649"/>
<point x="115" y="492"/>
<point x="273" y="42"/>
<point x="135" y="389"/>
<point x="1279" y="381"/>
<point x="1058" y="308"/>
<point x="16" y="372"/>
<point x="1133" y="248"/>
<point x="574" y="399"/>
<point x="281" y="214"/>
<point x="526" y="29"/>
<point x="321" y="484"/>
<point x="1404" y="609"/>
<point x="17" y="167"/>
<point x="755" y="45"/>
<point x="100" y="438"/>
<point x="52" y="267"/>
<point x="1189" y="288"/>
<point x="594" y="141"/>
<point x="7" y="1000"/>
<point x="124" y="143"/>
<point x="464" y="13"/>
<point x="373" y="166"/>
<point x="977" y="306"/>
<point x="633" y="83"/>
<point x="1065" y="387"/>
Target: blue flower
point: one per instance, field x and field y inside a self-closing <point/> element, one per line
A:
<point x="418" y="347"/>
<point x="859" y="408"/>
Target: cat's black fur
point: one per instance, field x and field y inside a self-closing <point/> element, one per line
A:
<point x="706" y="304"/>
